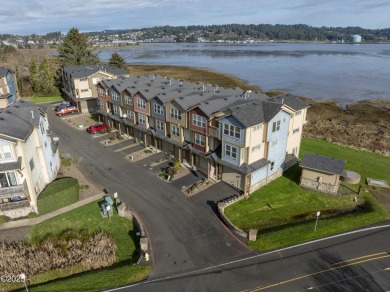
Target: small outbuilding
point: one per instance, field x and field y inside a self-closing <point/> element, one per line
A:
<point x="321" y="173"/>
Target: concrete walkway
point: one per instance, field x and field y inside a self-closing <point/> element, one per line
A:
<point x="33" y="221"/>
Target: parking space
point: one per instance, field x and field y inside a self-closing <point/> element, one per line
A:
<point x="215" y="193"/>
<point x="151" y="159"/>
<point x="123" y="144"/>
<point x="131" y="150"/>
<point x="188" y="179"/>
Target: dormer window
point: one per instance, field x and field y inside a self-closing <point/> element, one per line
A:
<point x="141" y="103"/>
<point x="232" y="131"/>
<point x="199" y="121"/>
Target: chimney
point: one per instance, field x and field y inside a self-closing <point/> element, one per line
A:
<point x="282" y="100"/>
<point x="32" y="114"/>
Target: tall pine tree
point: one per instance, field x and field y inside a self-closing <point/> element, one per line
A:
<point x="75" y="50"/>
<point x="117" y="60"/>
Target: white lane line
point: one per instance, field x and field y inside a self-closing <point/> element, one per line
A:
<point x="249" y="258"/>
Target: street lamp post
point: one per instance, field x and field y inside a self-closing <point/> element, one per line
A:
<point x="318" y="215"/>
<point x="23" y="277"/>
<point x="108" y="207"/>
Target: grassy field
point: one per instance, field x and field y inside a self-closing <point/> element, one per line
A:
<point x="191" y="74"/>
<point x="367" y="164"/>
<point x="58" y="194"/>
<point x="88" y="218"/>
<point x="284" y="213"/>
<point x="43" y="99"/>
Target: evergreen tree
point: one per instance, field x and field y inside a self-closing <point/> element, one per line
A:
<point x="33" y="75"/>
<point x="117" y="60"/>
<point x="19" y="81"/>
<point x="74" y="50"/>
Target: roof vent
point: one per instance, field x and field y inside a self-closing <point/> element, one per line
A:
<point x="147" y="90"/>
<point x="32" y="114"/>
<point x="282" y="100"/>
<point x="225" y="98"/>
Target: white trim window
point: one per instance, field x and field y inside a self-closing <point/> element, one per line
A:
<point x="256" y="148"/>
<point x="200" y="140"/>
<point x="129" y="114"/>
<point x="114" y="96"/>
<point x="257" y="127"/>
<point x="8" y="179"/>
<point x="116" y="110"/>
<point x="159" y="125"/>
<point x="141" y="103"/>
<point x="141" y="119"/>
<point x="175" y="131"/>
<point x="276" y="126"/>
<point x="128" y="100"/>
<point x="101" y="91"/>
<point x="102" y="104"/>
<point x="6" y="153"/>
<point x="272" y="165"/>
<point x="83" y="79"/>
<point x="84" y="90"/>
<point x="297" y="113"/>
<point x="175" y="114"/>
<point x="231" y="151"/>
<point x="232" y="131"/>
<point x="198" y="121"/>
<point x="158" y="109"/>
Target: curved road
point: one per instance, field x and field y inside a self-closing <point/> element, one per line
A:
<point x="192" y="250"/>
<point x="184" y="234"/>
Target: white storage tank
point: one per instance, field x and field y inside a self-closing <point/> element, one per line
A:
<point x="355" y="38"/>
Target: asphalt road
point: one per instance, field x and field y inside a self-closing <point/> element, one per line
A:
<point x="193" y="251"/>
<point x="184" y="233"/>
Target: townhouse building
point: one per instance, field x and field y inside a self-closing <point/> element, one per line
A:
<point x="8" y="87"/>
<point x="244" y="138"/>
<point x="79" y="83"/>
<point x="29" y="158"/>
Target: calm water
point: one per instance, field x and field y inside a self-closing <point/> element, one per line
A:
<point x="343" y="72"/>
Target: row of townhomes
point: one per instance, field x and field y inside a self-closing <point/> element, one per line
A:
<point x="244" y="138"/>
<point x="8" y="88"/>
<point x="79" y="83"/>
<point x="29" y="159"/>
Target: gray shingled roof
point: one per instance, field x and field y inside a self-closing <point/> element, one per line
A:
<point x="4" y="71"/>
<point x="250" y="114"/>
<point x="82" y="71"/>
<point x="290" y="100"/>
<point x="322" y="163"/>
<point x="17" y="120"/>
<point x="11" y="165"/>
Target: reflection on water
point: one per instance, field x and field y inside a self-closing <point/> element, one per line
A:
<point x="342" y="72"/>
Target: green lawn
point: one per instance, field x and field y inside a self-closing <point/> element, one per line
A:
<point x="58" y="194"/>
<point x="284" y="213"/>
<point x="367" y="164"/>
<point x="43" y="99"/>
<point x="88" y="218"/>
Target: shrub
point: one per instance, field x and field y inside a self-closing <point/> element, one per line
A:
<point x="70" y="249"/>
<point x="171" y="171"/>
<point x="84" y="188"/>
<point x="32" y="215"/>
<point x="4" y="219"/>
<point x="148" y="151"/>
<point x="177" y="164"/>
<point x="66" y="162"/>
<point x="58" y="194"/>
<point x="112" y="138"/>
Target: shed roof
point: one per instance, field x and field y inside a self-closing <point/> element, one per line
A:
<point x="323" y="163"/>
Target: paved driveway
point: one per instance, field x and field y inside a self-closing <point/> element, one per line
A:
<point x="184" y="234"/>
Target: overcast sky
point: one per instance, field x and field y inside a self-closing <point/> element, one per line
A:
<point x="38" y="16"/>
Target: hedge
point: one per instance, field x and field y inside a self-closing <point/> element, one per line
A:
<point x="58" y="194"/>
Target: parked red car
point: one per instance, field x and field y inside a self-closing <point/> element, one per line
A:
<point x="66" y="110"/>
<point x="97" y="128"/>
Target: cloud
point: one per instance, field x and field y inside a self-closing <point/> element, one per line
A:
<point x="28" y="16"/>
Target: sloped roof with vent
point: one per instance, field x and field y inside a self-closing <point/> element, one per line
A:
<point x="19" y="119"/>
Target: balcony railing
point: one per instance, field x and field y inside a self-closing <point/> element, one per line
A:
<point x="11" y="191"/>
<point x="214" y="132"/>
